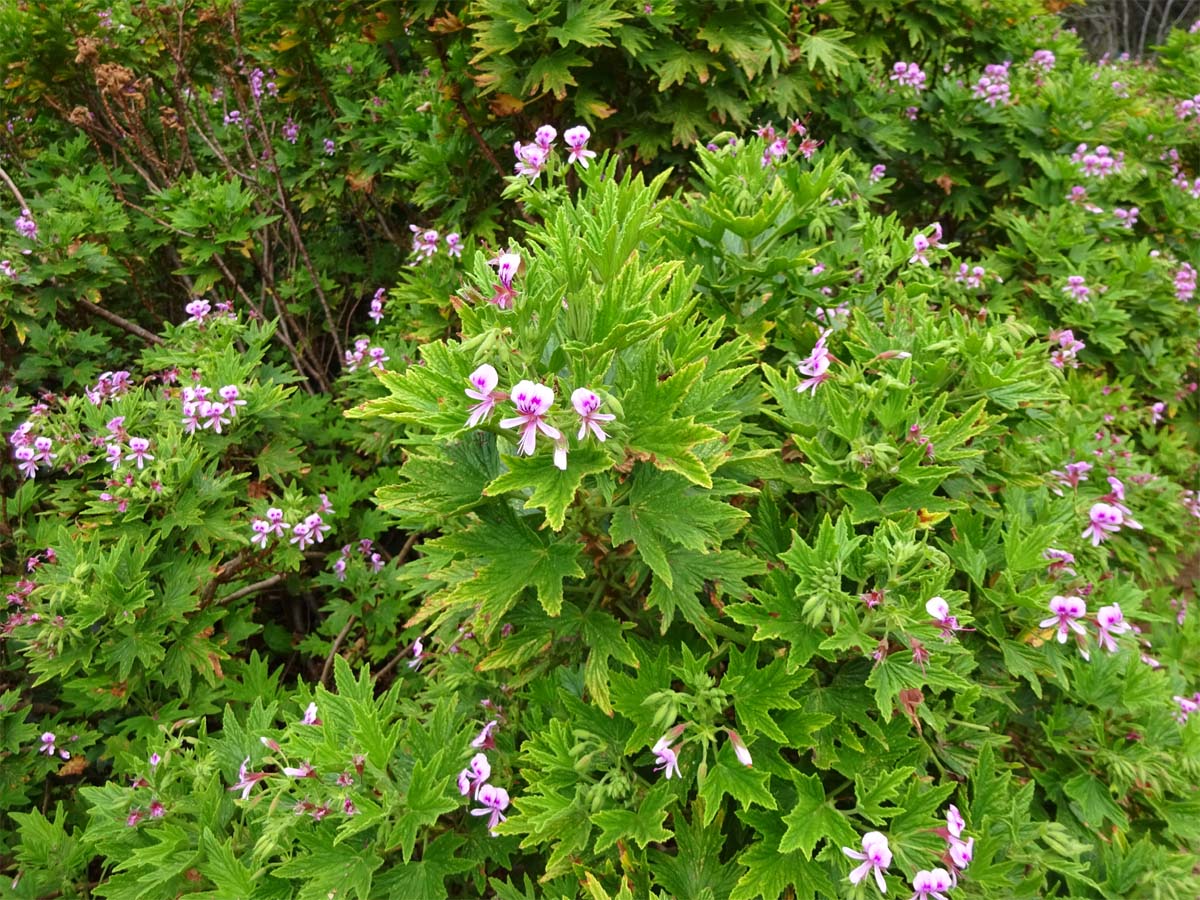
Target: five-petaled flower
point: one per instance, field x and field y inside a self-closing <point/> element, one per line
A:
<point x="876" y="856"/>
<point x="483" y="381"/>
<point x="586" y="403"/>
<point x="930" y="884"/>
<point x="577" y="139"/>
<point x="1067" y="613"/>
<point x="484" y="739"/>
<point x="1104" y="519"/>
<point x="668" y="762"/>
<point x="495" y="801"/>
<point x="247" y="779"/>
<point x="138" y="447"/>
<point x="532" y="401"/>
<point x="815" y="366"/>
<point x="507" y="265"/>
<point x="1110" y="621"/>
<point x="474" y="777"/>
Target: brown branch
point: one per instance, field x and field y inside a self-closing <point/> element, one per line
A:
<point x="456" y="94"/>
<point x="252" y="588"/>
<point x="337" y="643"/>
<point x="110" y="316"/>
<point x="12" y="186"/>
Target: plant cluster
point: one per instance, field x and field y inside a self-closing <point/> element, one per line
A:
<point x="599" y="450"/>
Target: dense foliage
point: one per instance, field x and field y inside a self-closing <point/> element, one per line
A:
<point x="596" y="449"/>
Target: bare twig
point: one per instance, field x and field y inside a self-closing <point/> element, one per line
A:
<point x="252" y="589"/>
<point x="12" y="186"/>
<point x="109" y="316"/>
<point x="337" y="643"/>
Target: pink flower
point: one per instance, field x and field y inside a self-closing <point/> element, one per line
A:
<point x="138" y="447"/>
<point x="475" y="775"/>
<point x="454" y="244"/>
<point x="877" y="172"/>
<point x="275" y="519"/>
<point x="1067" y="613"/>
<point x="310" y="715"/>
<point x="1105" y="519"/>
<point x="418" y="652"/>
<point x="876" y="856"/>
<point x="262" y="530"/>
<point x="507" y="265"/>
<point x="930" y="884"/>
<point x="1076" y="287"/>
<point x="532" y="401"/>
<point x="1060" y="561"/>
<point x="955" y="823"/>
<point x="25" y="225"/>
<point x="940" y="610"/>
<point x="586" y="403"/>
<point x="530" y="159"/>
<point x="739" y="748"/>
<point x="484" y="738"/>
<point x="484" y="381"/>
<point x="376" y="312"/>
<point x="495" y="801"/>
<point x="1071" y="475"/>
<point x="25" y="461"/>
<point x="577" y="139"/>
<point x="544" y="136"/>
<point x="815" y="366"/>
<point x="247" y="779"/>
<point x="668" y="762"/>
<point x="304" y="770"/>
<point x="961" y="853"/>
<point x="908" y="75"/>
<point x="1110" y="621"/>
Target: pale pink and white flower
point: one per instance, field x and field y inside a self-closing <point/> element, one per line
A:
<point x="577" y="139"/>
<point x="1105" y="520"/>
<point x="495" y="801"/>
<point x="532" y="401"/>
<point x="483" y="381"/>
<point x="586" y="404"/>
<point x="739" y="748"/>
<point x="1110" y="621"/>
<point x="1067" y="613"/>
<point x="138" y="447"/>
<point x="876" y="856"/>
<point x="475" y="775"/>
<point x="931" y="884"/>
<point x="815" y="366"/>
<point x="484" y="739"/>
<point x="247" y="779"/>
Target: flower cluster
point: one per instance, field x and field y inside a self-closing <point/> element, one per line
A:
<point x="778" y="147"/>
<point x="25" y="225"/>
<point x="922" y="244"/>
<point x="1187" y="706"/>
<point x="1185" y="282"/>
<point x="1127" y="217"/>
<point x="1068" y="617"/>
<point x="533" y="402"/>
<point x="312" y="530"/>
<point x="374" y="356"/>
<point x="973" y="276"/>
<point x="425" y="242"/>
<point x="927" y="884"/>
<point x="473" y="781"/>
<point x="198" y="310"/>
<point x="993" y="86"/>
<point x="31" y="451"/>
<point x="507" y="265"/>
<point x="1099" y="163"/>
<point x="1043" y="60"/>
<point x="815" y="366"/>
<point x="1068" y="346"/>
<point x="532" y="157"/>
<point x="376" y="313"/>
<point x="1077" y="287"/>
<point x="109" y="384"/>
<point x="366" y="551"/>
<point x="1189" y="108"/>
<point x="908" y="74"/>
<point x="201" y="409"/>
